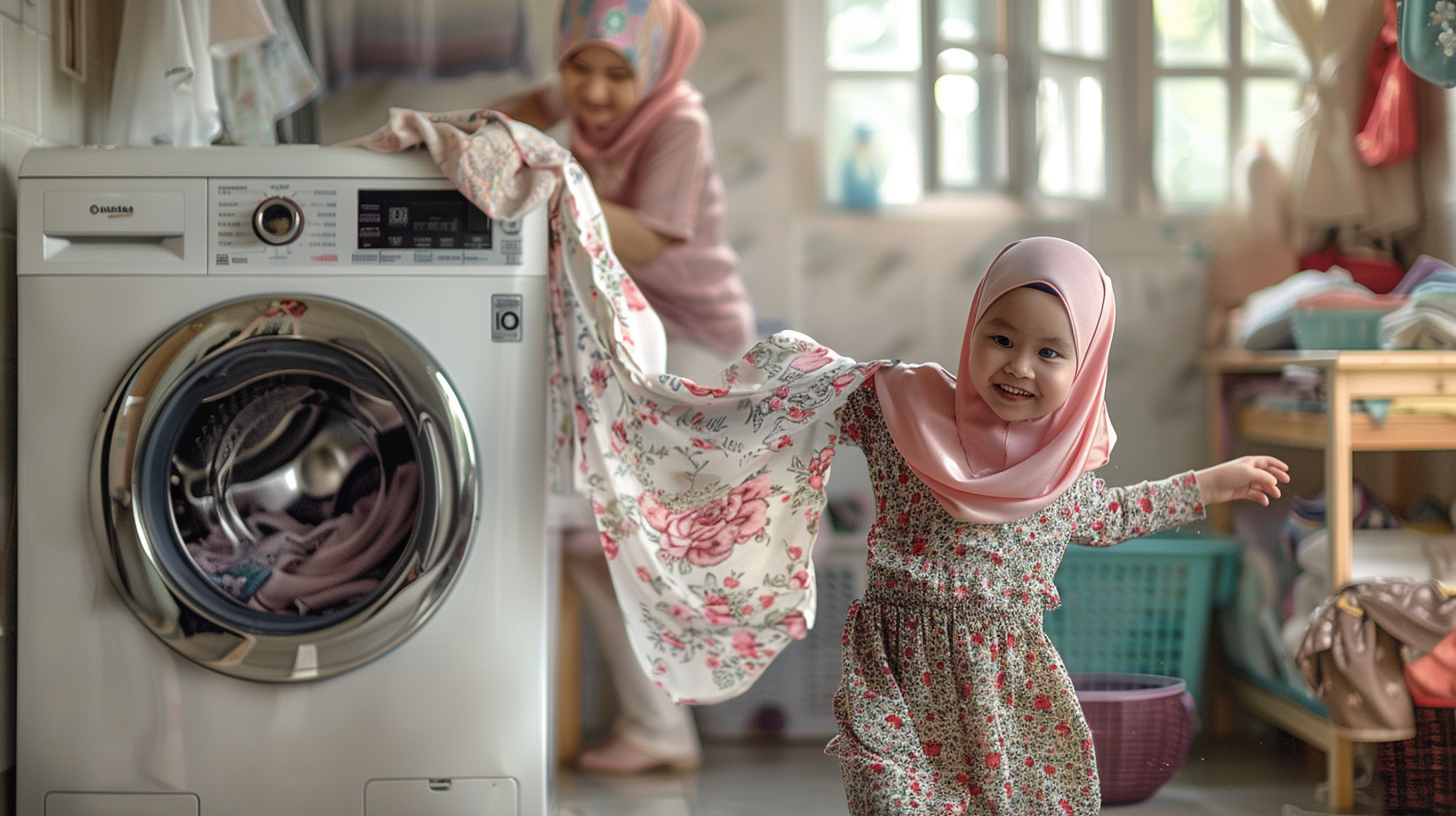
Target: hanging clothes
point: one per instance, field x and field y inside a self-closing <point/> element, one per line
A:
<point x="1387" y="135"/>
<point x="426" y="39"/>
<point x="264" y="83"/>
<point x="162" y="92"/>
<point x="707" y="496"/>
<point x="1330" y="184"/>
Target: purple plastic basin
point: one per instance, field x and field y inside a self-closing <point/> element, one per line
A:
<point x="1142" y="725"/>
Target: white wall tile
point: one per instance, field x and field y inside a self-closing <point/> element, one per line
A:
<point x="19" y="47"/>
<point x="37" y="14"/>
<point x="60" y="104"/>
<point x="13" y="147"/>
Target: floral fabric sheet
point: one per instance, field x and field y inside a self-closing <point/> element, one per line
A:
<point x="707" y="496"/>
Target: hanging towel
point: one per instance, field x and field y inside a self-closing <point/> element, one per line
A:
<point x="237" y="26"/>
<point x="707" y="496"/>
<point x="265" y="83"/>
<point x="162" y="93"/>
<point x="425" y="39"/>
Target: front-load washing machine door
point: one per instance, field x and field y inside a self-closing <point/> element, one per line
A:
<point x="286" y="486"/>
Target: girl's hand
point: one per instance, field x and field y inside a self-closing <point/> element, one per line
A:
<point x="1255" y="478"/>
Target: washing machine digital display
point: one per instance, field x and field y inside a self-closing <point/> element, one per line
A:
<point x="421" y="219"/>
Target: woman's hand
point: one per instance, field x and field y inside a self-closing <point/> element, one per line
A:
<point x="1255" y="478"/>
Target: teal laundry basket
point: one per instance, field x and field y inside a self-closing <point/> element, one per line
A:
<point x="1143" y="606"/>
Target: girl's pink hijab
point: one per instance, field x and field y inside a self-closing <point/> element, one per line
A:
<point x="980" y="467"/>
<point x="660" y="40"/>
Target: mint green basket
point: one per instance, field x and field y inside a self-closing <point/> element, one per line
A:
<point x="1342" y="329"/>
<point x="1143" y="606"/>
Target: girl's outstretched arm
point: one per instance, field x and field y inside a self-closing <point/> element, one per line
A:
<point x="1255" y="478"/>
<point x="1105" y="515"/>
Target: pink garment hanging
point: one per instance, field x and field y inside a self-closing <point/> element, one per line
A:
<point x="980" y="467"/>
<point x="1388" y="127"/>
<point x="659" y="43"/>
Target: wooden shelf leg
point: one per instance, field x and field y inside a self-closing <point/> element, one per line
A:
<point x="568" y="674"/>
<point x="1340" y="762"/>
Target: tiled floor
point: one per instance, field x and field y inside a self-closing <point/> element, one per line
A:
<point x="1257" y="774"/>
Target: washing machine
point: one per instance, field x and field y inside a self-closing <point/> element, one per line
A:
<point x="281" y="489"/>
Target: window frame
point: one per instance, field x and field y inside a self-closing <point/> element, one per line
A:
<point x="1129" y="107"/>
<point x="1236" y="74"/>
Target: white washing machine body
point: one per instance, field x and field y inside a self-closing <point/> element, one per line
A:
<point x="281" y="489"/>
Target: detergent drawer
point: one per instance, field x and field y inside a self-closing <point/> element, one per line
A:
<point x="66" y="803"/>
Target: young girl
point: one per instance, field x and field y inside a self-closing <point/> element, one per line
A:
<point x="639" y="131"/>
<point x="953" y="700"/>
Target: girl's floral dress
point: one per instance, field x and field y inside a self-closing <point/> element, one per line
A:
<point x="953" y="700"/>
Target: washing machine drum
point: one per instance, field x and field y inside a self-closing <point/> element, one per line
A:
<point x="287" y="487"/>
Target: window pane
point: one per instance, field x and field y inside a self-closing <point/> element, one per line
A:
<point x="873" y="35"/>
<point x="1070" y="143"/>
<point x="1190" y="149"/>
<point x="1075" y="27"/>
<point x="1269" y="106"/>
<point x="959" y="20"/>
<point x="872" y="134"/>
<point x="956" y="61"/>
<point x="958" y="101"/>
<point x="1192" y="32"/>
<point x="1268" y="42"/>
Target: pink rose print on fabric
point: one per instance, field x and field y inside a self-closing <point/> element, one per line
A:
<point x="781" y="443"/>
<point x="635" y="301"/>
<point x="582" y="422"/>
<point x="818" y="466"/>
<point x="609" y="546"/>
<point x="746" y="644"/>
<point x="706" y="535"/>
<point x="701" y="391"/>
<point x="811" y="360"/>
<point x="717" y="610"/>
<point x="842" y="382"/>
<point x="619" y="436"/>
<point x="590" y="241"/>
<point x="799" y="580"/>
<point x="797" y="626"/>
<point x="600" y="372"/>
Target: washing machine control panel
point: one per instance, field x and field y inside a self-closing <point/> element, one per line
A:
<point x="319" y="224"/>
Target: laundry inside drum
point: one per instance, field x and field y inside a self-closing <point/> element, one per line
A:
<point x="295" y="494"/>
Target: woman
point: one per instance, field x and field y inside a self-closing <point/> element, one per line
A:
<point x="640" y="132"/>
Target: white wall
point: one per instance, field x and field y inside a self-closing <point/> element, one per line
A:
<point x="38" y="106"/>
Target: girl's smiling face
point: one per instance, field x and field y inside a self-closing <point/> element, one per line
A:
<point x="599" y="86"/>
<point x="1023" y="357"/>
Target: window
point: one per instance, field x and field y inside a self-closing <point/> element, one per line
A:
<point x="1225" y="72"/>
<point x="1043" y="99"/>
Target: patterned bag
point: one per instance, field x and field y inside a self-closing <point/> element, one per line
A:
<point x="1427" y="36"/>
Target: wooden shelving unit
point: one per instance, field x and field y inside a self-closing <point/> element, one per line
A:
<point x="1349" y="375"/>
